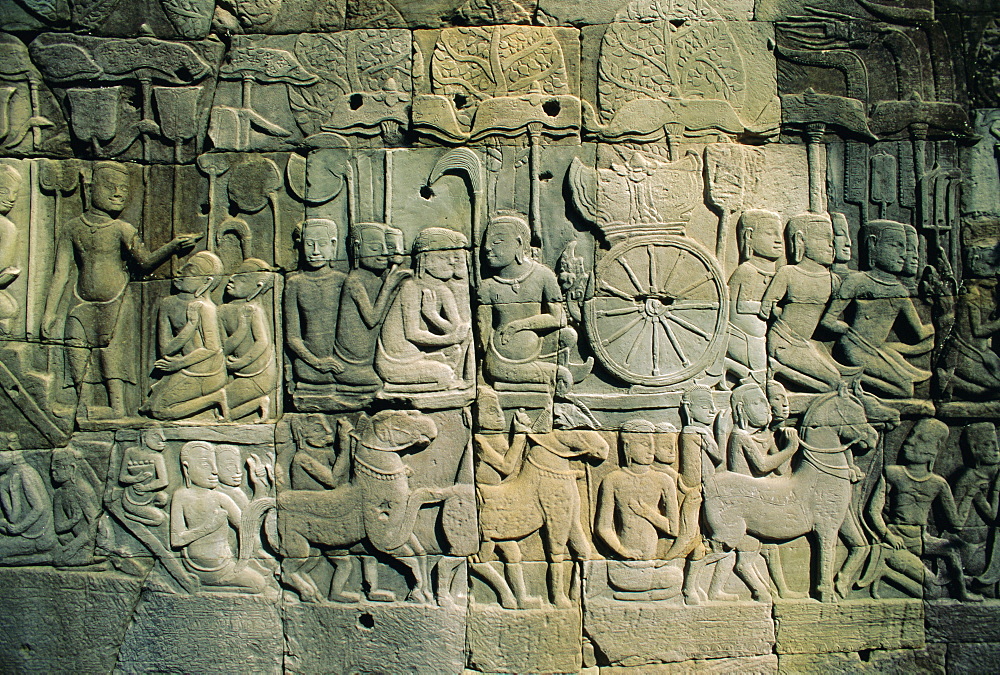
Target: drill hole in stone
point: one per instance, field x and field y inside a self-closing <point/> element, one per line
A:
<point x="356" y="101"/>
<point x="426" y="192"/>
<point x="545" y="175"/>
<point x="366" y="621"/>
<point x="552" y="107"/>
<point x="461" y="100"/>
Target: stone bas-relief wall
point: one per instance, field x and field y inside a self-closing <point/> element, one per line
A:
<point x="513" y="337"/>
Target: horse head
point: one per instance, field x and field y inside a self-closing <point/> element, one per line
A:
<point x="395" y="431"/>
<point x="573" y="444"/>
<point x="838" y="418"/>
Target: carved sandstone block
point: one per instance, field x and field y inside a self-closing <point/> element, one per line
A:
<point x="807" y="627"/>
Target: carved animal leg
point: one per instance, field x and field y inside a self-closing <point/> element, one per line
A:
<point x="343" y="566"/>
<point x="558" y="583"/>
<point x="749" y="572"/>
<point x="720" y="577"/>
<point x="772" y="557"/>
<point x="489" y="574"/>
<point x="510" y="552"/>
<point x="825" y="542"/>
<point x="857" y="550"/>
<point x="296" y="574"/>
<point x="446" y="571"/>
<point x="369" y="569"/>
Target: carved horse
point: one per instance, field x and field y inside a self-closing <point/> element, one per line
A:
<point x="813" y="499"/>
<point x="539" y="494"/>
<point x="376" y="508"/>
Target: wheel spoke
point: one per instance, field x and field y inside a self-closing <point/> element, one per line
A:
<point x="688" y="289"/>
<point x="651" y="250"/>
<point x="684" y="323"/>
<point x="694" y="305"/>
<point x="670" y="272"/>
<point x="673" y="341"/>
<point x="618" y="312"/>
<point x="614" y="291"/>
<point x="631" y="274"/>
<point x="621" y="331"/>
<point x="656" y="351"/>
<point x="635" y="342"/>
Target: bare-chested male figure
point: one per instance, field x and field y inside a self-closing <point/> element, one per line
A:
<point x="93" y="254"/>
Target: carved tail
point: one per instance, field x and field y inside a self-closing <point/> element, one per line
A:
<point x="250" y="525"/>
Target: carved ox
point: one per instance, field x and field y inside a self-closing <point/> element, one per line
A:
<point x="740" y="510"/>
<point x="376" y="508"/>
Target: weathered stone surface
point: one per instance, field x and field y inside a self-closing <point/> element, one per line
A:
<point x="202" y="633"/>
<point x="62" y="620"/>
<point x="374" y="637"/>
<point x="958" y="622"/>
<point x="524" y="640"/>
<point x="752" y="665"/>
<point x="972" y="657"/>
<point x="928" y="660"/>
<point x="810" y="627"/>
<point x="631" y="633"/>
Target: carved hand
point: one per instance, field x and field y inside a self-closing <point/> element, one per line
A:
<point x="329" y="364"/>
<point x="895" y="540"/>
<point x="183" y="241"/>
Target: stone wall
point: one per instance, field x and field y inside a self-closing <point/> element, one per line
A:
<point x="545" y="336"/>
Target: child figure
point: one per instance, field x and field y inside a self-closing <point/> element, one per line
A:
<point x="191" y="357"/>
<point x="248" y="345"/>
<point x="144" y="475"/>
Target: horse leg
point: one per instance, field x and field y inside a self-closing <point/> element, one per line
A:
<point x="343" y="565"/>
<point x="747" y="557"/>
<point x="720" y="577"/>
<point x="826" y="539"/>
<point x="511" y="553"/>
<point x="857" y="546"/>
<point x="369" y="570"/>
<point x="297" y="564"/>
<point x="559" y="524"/>
<point x="772" y="558"/>
<point x="414" y="556"/>
<point x="446" y="571"/>
<point x="505" y="595"/>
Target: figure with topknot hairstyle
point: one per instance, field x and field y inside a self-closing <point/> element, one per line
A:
<point x="192" y="363"/>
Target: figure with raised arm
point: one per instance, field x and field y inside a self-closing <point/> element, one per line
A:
<point x="90" y="301"/>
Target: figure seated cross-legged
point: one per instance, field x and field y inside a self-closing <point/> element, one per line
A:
<point x="424" y="343"/>
<point x="201" y="520"/>
<point x="794" y="302"/>
<point x="75" y="507"/>
<point x="27" y="531"/>
<point x="912" y="489"/>
<point x="521" y="306"/>
<point x="875" y="299"/>
<point x="248" y="344"/>
<point x="758" y="234"/>
<point x="192" y="363"/>
<point x="636" y="506"/>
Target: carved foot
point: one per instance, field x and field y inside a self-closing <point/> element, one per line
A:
<point x="379" y="595"/>
<point x="344" y="597"/>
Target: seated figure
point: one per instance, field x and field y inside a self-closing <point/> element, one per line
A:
<point x="794" y="303"/>
<point x="876" y="299"/>
<point x="192" y="362"/>
<point x="27" y="532"/>
<point x="636" y="506"/>
<point x="201" y="519"/>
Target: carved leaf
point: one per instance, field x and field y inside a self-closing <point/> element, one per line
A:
<point x="498" y="61"/>
<point x="670" y="59"/>
<point x="373" y="14"/>
<point x="257" y="14"/>
<point x="92" y="13"/>
<point x="190" y="18"/>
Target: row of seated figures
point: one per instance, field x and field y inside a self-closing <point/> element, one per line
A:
<point x="382" y="327"/>
<point x="777" y="311"/>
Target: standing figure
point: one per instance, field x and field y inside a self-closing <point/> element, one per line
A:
<point x="758" y="234"/>
<point x="192" y="362"/>
<point x="912" y="489"/>
<point x="248" y="345"/>
<point x="368" y="292"/>
<point x="636" y="506"/>
<point x="144" y="475"/>
<point x="311" y="303"/>
<point x="10" y="187"/>
<point x="794" y="303"/>
<point x="425" y="337"/>
<point x="201" y="519"/>
<point x="90" y="291"/>
<point x="75" y="507"/>
<point x="27" y="531"/>
<point x="877" y="299"/>
<point x="978" y="489"/>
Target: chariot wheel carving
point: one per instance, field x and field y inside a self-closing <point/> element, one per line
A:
<point x="659" y="312"/>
